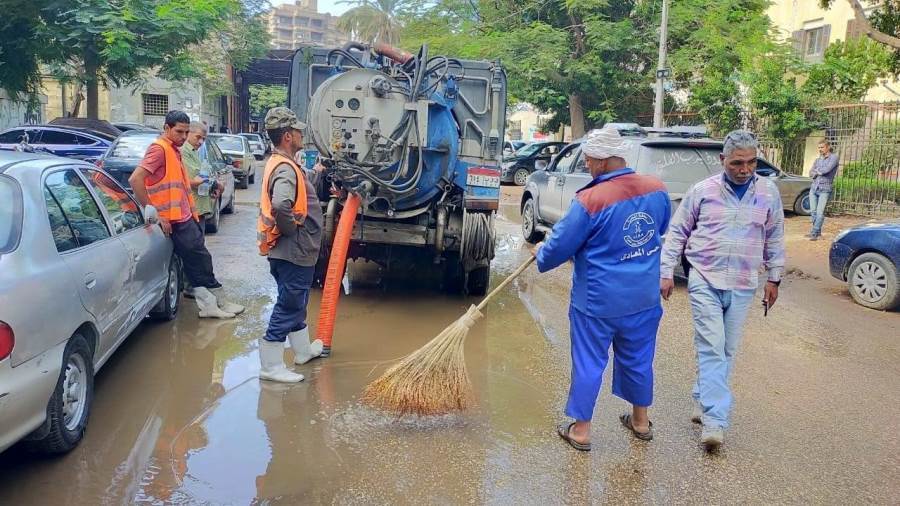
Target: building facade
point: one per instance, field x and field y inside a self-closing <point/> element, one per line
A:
<point x="811" y="29"/>
<point x="300" y="23"/>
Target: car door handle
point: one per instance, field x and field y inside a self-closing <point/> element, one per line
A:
<point x="560" y="181"/>
<point x="90" y="281"/>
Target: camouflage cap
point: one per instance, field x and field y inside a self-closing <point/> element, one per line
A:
<point x="282" y="117"/>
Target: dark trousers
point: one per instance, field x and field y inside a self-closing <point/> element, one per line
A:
<point x="195" y="258"/>
<point x="289" y="313"/>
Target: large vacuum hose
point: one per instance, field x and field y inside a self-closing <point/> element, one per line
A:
<point x="335" y="273"/>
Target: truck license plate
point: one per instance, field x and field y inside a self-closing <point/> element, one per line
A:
<point x="488" y="178"/>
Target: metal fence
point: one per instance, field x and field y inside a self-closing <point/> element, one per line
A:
<point x="866" y="138"/>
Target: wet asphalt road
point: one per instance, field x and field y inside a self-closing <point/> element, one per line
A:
<point x="180" y="417"/>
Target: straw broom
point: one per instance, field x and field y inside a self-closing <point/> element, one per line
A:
<point x="433" y="380"/>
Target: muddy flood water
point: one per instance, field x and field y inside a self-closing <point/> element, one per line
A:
<point x="181" y="418"/>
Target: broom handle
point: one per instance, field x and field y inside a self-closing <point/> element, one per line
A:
<point x="505" y="282"/>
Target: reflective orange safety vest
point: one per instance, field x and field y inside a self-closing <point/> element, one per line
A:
<point x="267" y="232"/>
<point x="168" y="193"/>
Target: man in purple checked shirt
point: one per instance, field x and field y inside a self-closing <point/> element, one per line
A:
<point x="727" y="227"/>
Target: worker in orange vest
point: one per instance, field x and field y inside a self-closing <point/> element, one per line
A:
<point x="161" y="181"/>
<point x="289" y="233"/>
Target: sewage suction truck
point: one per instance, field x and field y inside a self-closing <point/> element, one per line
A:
<point x="411" y="146"/>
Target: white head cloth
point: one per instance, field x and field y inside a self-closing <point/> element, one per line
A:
<point x="604" y="143"/>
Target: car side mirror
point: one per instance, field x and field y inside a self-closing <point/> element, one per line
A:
<point x="151" y="214"/>
<point x="229" y="160"/>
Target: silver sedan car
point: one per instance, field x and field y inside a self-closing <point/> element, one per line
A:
<point x="81" y="265"/>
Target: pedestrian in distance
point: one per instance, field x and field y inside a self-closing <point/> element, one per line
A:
<point x="822" y="173"/>
<point x="289" y="233"/>
<point x="613" y="232"/>
<point x="727" y="227"/>
<point x="161" y="180"/>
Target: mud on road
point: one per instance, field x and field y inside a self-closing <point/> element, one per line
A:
<point x="181" y="418"/>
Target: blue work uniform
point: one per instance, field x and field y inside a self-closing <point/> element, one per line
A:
<point x="613" y="232"/>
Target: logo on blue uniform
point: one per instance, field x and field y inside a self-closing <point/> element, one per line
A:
<point x="638" y="229"/>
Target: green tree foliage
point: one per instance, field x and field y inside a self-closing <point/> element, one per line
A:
<point x="375" y="20"/>
<point x="849" y="70"/>
<point x="96" y="42"/>
<point x="265" y="97"/>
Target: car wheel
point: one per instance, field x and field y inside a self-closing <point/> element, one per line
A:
<point x="478" y="281"/>
<point x="801" y="205"/>
<point x="529" y="223"/>
<point x="520" y="176"/>
<point x="229" y="209"/>
<point x="244" y="183"/>
<point x="70" y="404"/>
<point x="212" y="223"/>
<point x="167" y="307"/>
<point x="873" y="283"/>
<point x="252" y="178"/>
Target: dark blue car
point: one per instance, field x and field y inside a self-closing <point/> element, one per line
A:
<point x="867" y="257"/>
<point x="71" y="142"/>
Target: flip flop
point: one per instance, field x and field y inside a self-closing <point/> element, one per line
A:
<point x="563" y="432"/>
<point x="643" y="436"/>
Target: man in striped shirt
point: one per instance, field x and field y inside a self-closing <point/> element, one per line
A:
<point x="727" y="227"/>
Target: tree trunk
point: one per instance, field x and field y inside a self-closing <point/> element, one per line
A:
<point x="76" y="103"/>
<point x="576" y="113"/>
<point x="91" y="82"/>
<point x="869" y="30"/>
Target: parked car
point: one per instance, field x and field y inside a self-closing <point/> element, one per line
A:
<point x="238" y="150"/>
<point x="257" y="145"/>
<point x="678" y="161"/>
<point x="126" y="127"/>
<point x="70" y="142"/>
<point x="92" y="125"/>
<point x="510" y="147"/>
<point x="867" y="257"/>
<point x="527" y="159"/>
<point x="128" y="150"/>
<point x="81" y="265"/>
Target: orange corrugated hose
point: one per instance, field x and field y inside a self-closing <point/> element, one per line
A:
<point x="335" y="273"/>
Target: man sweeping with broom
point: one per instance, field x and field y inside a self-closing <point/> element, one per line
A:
<point x="613" y="232"/>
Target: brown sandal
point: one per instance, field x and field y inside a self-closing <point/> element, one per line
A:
<point x="563" y="431"/>
<point x="643" y="436"/>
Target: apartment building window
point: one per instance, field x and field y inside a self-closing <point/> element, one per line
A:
<point x="285" y="20"/>
<point x="302" y="21"/>
<point x="155" y="105"/>
<point x="316" y="36"/>
<point x="812" y="42"/>
<point x="285" y="34"/>
<point x="317" y="23"/>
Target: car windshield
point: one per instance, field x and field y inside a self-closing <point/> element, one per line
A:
<point x="10" y="214"/>
<point x="529" y="149"/>
<point x="230" y="143"/>
<point x="252" y="137"/>
<point x="131" y="146"/>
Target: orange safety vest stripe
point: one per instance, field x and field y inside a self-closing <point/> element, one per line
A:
<point x="266" y="228"/>
<point x="168" y="193"/>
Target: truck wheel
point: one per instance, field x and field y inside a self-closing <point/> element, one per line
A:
<point x="529" y="223"/>
<point x="873" y="282"/>
<point x="70" y="404"/>
<point x="479" y="280"/>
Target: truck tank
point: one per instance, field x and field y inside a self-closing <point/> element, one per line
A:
<point x="418" y="137"/>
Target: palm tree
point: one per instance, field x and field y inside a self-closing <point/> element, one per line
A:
<point x="375" y="20"/>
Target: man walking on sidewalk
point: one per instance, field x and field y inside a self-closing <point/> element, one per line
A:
<point x="613" y="231"/>
<point x="727" y="226"/>
<point x="289" y="232"/>
<point x="823" y="171"/>
<point x="160" y="180"/>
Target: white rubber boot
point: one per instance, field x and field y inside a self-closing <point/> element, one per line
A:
<point x="209" y="308"/>
<point x="304" y="351"/>
<point x="228" y="307"/>
<point x="271" y="363"/>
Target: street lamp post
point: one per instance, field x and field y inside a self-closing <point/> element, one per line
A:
<point x="661" y="71"/>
